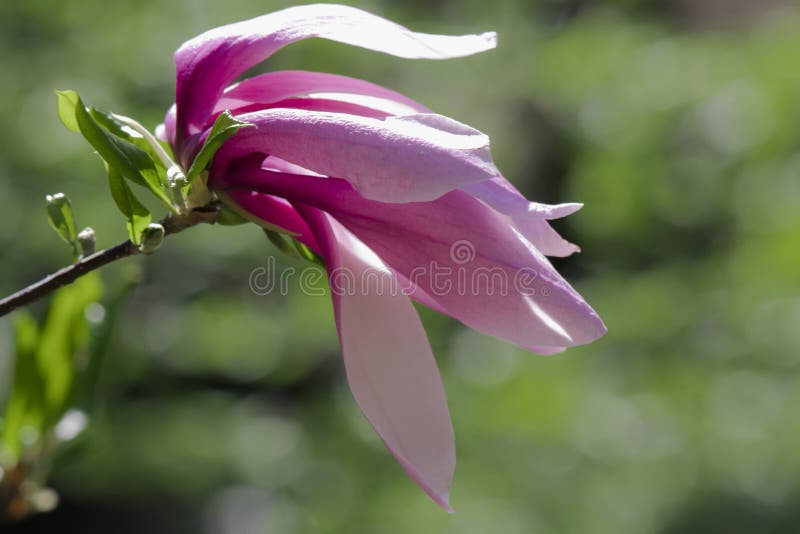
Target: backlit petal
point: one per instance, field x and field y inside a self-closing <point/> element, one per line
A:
<point x="390" y="367"/>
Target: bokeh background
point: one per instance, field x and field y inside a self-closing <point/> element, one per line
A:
<point x="677" y="122"/>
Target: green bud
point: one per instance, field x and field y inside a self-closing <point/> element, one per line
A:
<point x="175" y="177"/>
<point x="61" y="218"/>
<point x="152" y="237"/>
<point x="86" y="239"/>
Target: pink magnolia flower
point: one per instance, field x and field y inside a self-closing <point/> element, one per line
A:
<point x="377" y="183"/>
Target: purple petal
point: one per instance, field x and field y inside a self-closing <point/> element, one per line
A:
<point x="275" y="86"/>
<point x="390" y="367"/>
<point x="275" y="213"/>
<point x="503" y="286"/>
<point x="398" y="159"/>
<point x="209" y="62"/>
<point x="166" y="130"/>
<point x="529" y="218"/>
<point x="329" y="105"/>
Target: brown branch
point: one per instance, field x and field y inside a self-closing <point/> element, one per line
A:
<point x="67" y="275"/>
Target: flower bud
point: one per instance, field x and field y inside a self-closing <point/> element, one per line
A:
<point x="152" y="237"/>
<point x="175" y="177"/>
<point x="86" y="240"/>
<point x="57" y="198"/>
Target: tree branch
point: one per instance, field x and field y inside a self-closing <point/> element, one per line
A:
<point x="67" y="275"/>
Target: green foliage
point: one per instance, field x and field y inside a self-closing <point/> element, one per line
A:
<point x="228" y="217"/>
<point x="224" y="127"/>
<point x="67" y="102"/>
<point x="47" y="358"/>
<point x="127" y="159"/>
<point x="137" y="215"/>
<point x="61" y="218"/>
<point x="117" y="127"/>
<point x="152" y="238"/>
<point x="24" y="407"/>
<point x="294" y="248"/>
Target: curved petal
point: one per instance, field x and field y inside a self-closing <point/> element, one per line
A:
<point x="329" y="105"/>
<point x="390" y="367"/>
<point x="273" y="211"/>
<point x="166" y="130"/>
<point x="529" y="218"/>
<point x="398" y="159"/>
<point x="275" y="214"/>
<point x="211" y="61"/>
<point x="464" y="255"/>
<point x="275" y="86"/>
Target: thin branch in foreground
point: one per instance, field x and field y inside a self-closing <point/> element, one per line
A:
<point x="67" y="275"/>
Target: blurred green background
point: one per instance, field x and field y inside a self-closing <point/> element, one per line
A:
<point x="677" y="123"/>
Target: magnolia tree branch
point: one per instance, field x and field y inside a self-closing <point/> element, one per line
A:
<point x="67" y="275"/>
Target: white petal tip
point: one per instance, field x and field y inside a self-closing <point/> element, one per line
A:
<point x="556" y="211"/>
<point x="161" y="132"/>
<point x="443" y="500"/>
<point x="490" y="38"/>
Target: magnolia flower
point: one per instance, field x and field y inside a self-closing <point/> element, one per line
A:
<point x="378" y="184"/>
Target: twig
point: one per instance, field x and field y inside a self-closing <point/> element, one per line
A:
<point x="67" y="275"/>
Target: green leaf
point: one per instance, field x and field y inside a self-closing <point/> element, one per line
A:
<point x="25" y="403"/>
<point x="107" y="120"/>
<point x="281" y="242"/>
<point x="138" y="215"/>
<point x="62" y="219"/>
<point x="67" y="101"/>
<point x="45" y="365"/>
<point x="65" y="333"/>
<point x="228" y="217"/>
<point x="224" y="127"/>
<point x="293" y="247"/>
<point x="129" y="160"/>
<point x="88" y="384"/>
<point x="308" y="254"/>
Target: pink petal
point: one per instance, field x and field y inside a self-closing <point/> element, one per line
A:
<point x="531" y="305"/>
<point x="529" y="218"/>
<point x="275" y="212"/>
<point x="390" y="367"/>
<point x="211" y="61"/>
<point x="275" y="86"/>
<point x="398" y="159"/>
<point x="330" y="105"/>
<point x="166" y="130"/>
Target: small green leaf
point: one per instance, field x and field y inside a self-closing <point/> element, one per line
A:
<point x="308" y="254"/>
<point x="138" y="215"/>
<point x="61" y="218"/>
<point x="106" y="120"/>
<point x="281" y="242"/>
<point x="293" y="247"/>
<point x="130" y="161"/>
<point x="228" y="217"/>
<point x="124" y="131"/>
<point x="224" y="127"/>
<point x="67" y="102"/>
